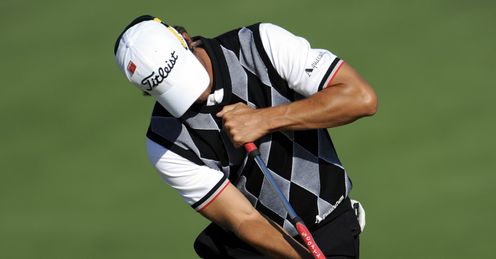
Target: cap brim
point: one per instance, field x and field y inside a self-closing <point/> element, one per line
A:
<point x="190" y="80"/>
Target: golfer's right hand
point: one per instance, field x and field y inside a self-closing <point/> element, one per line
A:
<point x="242" y="123"/>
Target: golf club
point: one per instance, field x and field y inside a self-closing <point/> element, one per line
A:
<point x="305" y="234"/>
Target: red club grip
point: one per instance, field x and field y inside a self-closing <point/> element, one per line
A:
<point x="308" y="240"/>
<point x="250" y="147"/>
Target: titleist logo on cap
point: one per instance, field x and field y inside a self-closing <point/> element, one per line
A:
<point x="157" y="77"/>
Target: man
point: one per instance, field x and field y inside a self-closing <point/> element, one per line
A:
<point x="256" y="84"/>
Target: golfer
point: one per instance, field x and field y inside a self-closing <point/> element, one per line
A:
<point x="260" y="84"/>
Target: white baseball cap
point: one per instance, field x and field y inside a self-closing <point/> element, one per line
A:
<point x="156" y="59"/>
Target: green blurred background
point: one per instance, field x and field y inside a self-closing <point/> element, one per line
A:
<point x="75" y="181"/>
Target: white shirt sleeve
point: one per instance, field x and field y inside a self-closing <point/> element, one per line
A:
<point x="198" y="185"/>
<point x="306" y="70"/>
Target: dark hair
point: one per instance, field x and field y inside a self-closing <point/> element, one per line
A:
<point x="179" y="28"/>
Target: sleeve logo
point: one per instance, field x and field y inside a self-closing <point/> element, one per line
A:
<point x="314" y="64"/>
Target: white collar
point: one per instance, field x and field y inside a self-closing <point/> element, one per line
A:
<point x="215" y="97"/>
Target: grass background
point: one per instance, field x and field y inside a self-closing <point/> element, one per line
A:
<point x="75" y="182"/>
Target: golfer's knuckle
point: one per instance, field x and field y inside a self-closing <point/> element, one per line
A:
<point x="229" y="126"/>
<point x="237" y="138"/>
<point x="227" y="115"/>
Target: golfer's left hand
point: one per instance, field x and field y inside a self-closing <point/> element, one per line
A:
<point x="242" y="123"/>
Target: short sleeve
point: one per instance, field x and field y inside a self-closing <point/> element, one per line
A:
<point x="306" y="70"/>
<point x="198" y="185"/>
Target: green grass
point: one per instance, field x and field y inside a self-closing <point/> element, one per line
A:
<point x="75" y="182"/>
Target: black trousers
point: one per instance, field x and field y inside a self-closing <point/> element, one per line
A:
<point x="337" y="237"/>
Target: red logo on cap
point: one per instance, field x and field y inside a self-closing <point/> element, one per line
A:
<point x="131" y="67"/>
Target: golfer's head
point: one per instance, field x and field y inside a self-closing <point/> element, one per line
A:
<point x="156" y="59"/>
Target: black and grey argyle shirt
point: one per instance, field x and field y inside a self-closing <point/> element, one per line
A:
<point x="304" y="163"/>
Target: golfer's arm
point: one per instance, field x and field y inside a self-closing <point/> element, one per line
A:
<point x="232" y="211"/>
<point x="347" y="99"/>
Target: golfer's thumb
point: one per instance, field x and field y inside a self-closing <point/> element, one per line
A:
<point x="225" y="109"/>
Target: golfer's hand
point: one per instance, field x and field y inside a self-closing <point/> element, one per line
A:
<point x="242" y="123"/>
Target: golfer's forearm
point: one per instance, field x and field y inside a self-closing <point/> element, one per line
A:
<point x="349" y="98"/>
<point x="337" y="106"/>
<point x="232" y="211"/>
<point x="270" y="239"/>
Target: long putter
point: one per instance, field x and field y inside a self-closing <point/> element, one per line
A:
<point x="305" y="235"/>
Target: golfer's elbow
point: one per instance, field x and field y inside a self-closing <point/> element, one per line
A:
<point x="363" y="99"/>
<point x="368" y="101"/>
<point x="245" y="222"/>
<point x="253" y="229"/>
